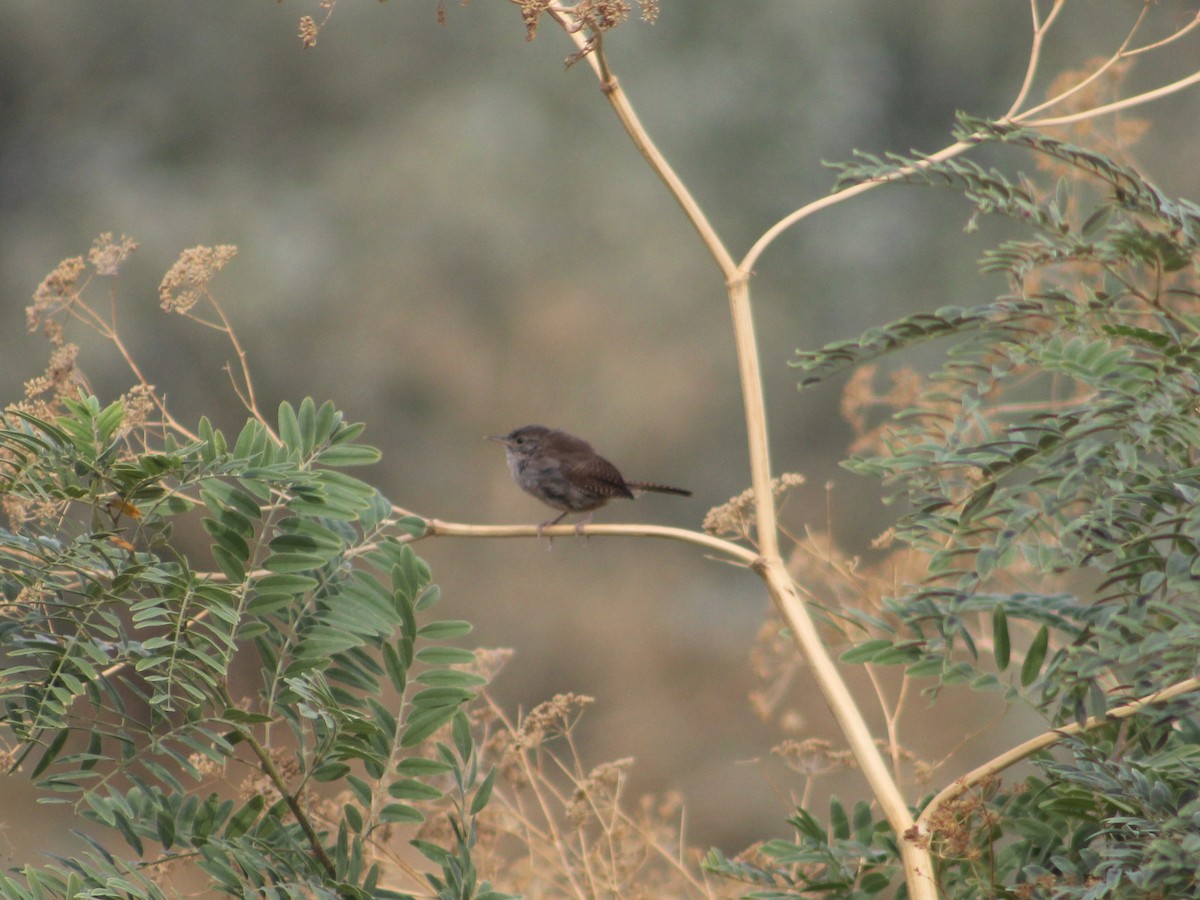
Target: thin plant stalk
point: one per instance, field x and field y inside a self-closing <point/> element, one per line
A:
<point x="918" y="864"/>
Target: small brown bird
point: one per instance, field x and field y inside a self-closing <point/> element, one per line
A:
<point x="565" y="473"/>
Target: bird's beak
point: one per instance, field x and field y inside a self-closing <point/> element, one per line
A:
<point x="496" y="437"/>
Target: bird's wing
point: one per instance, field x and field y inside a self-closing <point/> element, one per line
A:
<point x="600" y="477"/>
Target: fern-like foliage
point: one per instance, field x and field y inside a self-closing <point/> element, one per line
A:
<point x="1049" y="471"/>
<point x="854" y="857"/>
<point x="119" y="651"/>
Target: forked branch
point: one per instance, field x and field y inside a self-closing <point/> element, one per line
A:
<point x="770" y="566"/>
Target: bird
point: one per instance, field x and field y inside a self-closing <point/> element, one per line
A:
<point x="566" y="474"/>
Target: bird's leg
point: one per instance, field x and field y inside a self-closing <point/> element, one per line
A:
<point x="547" y="524"/>
<point x="586" y="520"/>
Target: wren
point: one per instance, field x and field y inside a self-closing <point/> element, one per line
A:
<point x="565" y="473"/>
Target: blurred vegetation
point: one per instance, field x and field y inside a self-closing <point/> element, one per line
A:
<point x="451" y="236"/>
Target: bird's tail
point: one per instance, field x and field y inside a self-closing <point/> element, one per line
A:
<point x="657" y="488"/>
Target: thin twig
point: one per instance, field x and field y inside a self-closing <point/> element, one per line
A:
<point x="268" y="768"/>
<point x="1117" y="105"/>
<point x="1035" y="52"/>
<point x="768" y="237"/>
<point x="249" y="400"/>
<point x="108" y="331"/>
<point x="1116" y="57"/>
<point x="641" y="140"/>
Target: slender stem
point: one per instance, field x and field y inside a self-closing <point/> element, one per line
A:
<point x="1035" y="53"/>
<point x="766" y="529"/>
<point x="108" y="330"/>
<point x="1025" y="118"/>
<point x="538" y="783"/>
<point x="1169" y="39"/>
<point x="269" y="769"/>
<point x="918" y="863"/>
<point x="1118" y="105"/>
<point x="658" y="163"/>
<point x="249" y="400"/>
<point x="1108" y="64"/>
<point x="890" y="718"/>
<point x="747" y="264"/>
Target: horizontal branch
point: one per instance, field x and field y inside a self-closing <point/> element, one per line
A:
<point x="438" y="528"/>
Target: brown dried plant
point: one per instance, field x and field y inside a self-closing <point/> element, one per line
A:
<point x="65" y="299"/>
<point x="558" y="827"/>
<point x="735" y="518"/>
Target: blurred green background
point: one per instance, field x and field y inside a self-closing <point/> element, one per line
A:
<point x="447" y="234"/>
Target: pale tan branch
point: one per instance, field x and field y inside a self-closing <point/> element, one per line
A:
<point x="438" y="528"/>
<point x="1040" y="28"/>
<point x="658" y="163"/>
<point x="1169" y="39"/>
<point x="1116" y="57"/>
<point x="918" y="863"/>
<point x="248" y="399"/>
<point x="1117" y="105"/>
<point x="747" y="264"/>
<point x="1042" y="741"/>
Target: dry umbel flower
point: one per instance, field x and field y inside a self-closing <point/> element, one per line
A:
<point x="107" y="255"/>
<point x="736" y="517"/>
<point x="308" y="32"/>
<point x="551" y="719"/>
<point x="54" y="295"/>
<point x="186" y="282"/>
<point x="813" y="756"/>
<point x="489" y="661"/>
<point x="593" y="16"/>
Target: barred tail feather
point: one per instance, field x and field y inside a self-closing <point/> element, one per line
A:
<point x="657" y="488"/>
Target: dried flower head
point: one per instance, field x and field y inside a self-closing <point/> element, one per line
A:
<point x="774" y="662"/>
<point x="187" y="280"/>
<point x="308" y="32"/>
<point x="736" y="517"/>
<point x="489" y="661"/>
<point x="55" y="294"/>
<point x="598" y="793"/>
<point x="602" y="14"/>
<point x="259" y="783"/>
<point x="589" y="15"/>
<point x="531" y="12"/>
<point x="59" y="380"/>
<point x="18" y="510"/>
<point x="139" y="404"/>
<point x="956" y="823"/>
<point x="107" y="255"/>
<point x="813" y="756"/>
<point x="1082" y="90"/>
<point x="205" y="765"/>
<point x="61" y="368"/>
<point x="870" y="411"/>
<point x="552" y="718"/>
